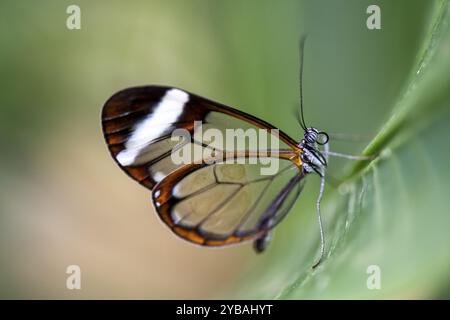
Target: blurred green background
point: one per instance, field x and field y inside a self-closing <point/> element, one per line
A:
<point x="64" y="201"/>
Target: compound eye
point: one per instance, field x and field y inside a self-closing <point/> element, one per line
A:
<point x="325" y="138"/>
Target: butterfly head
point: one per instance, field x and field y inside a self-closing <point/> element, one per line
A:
<point x="312" y="136"/>
<point x="312" y="157"/>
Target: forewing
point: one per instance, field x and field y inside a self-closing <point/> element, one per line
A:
<point x="138" y="124"/>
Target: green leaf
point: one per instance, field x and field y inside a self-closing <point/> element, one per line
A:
<point x="391" y="212"/>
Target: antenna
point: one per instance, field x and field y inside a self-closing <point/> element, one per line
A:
<point x="302" y="53"/>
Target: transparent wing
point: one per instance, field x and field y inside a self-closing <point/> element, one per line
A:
<point x="222" y="204"/>
<point x="138" y="124"/>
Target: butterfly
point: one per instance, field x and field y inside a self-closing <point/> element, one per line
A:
<point x="219" y="202"/>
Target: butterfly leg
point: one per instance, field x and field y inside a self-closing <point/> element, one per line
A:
<point x="350" y="157"/>
<point x="319" y="219"/>
<point x="326" y="153"/>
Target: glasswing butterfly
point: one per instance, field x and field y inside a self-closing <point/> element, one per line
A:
<point x="210" y="203"/>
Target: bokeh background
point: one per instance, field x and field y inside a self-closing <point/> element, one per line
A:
<point x="64" y="201"/>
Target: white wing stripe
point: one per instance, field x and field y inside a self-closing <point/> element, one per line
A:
<point x="167" y="112"/>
